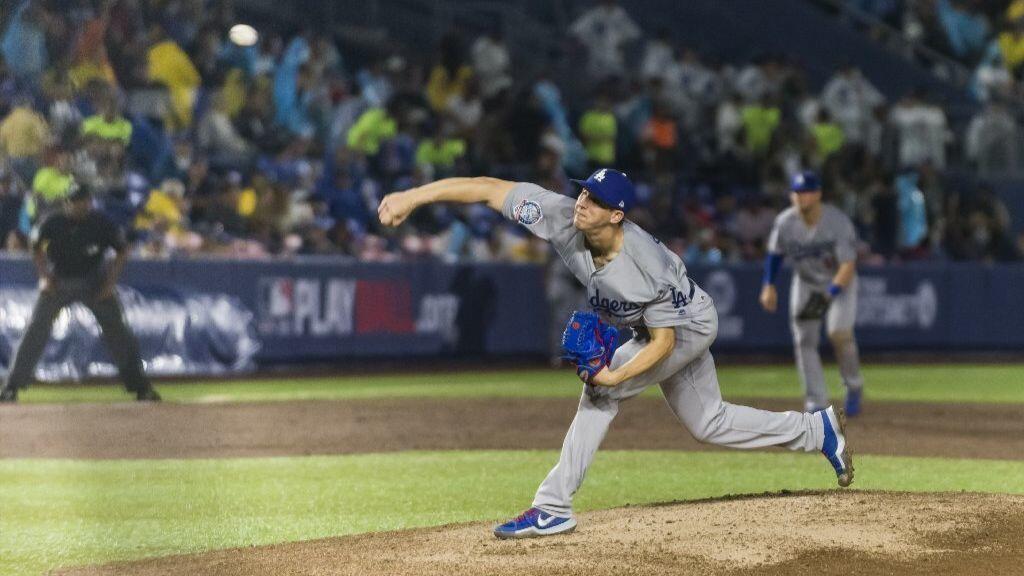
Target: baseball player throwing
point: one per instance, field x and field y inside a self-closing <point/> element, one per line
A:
<point x="633" y="281"/>
<point x="820" y="242"/>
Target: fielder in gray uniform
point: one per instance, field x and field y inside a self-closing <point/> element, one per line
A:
<point x="820" y="242"/>
<point x="633" y="281"/>
<point x="69" y="250"/>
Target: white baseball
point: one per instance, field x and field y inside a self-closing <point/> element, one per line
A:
<point x="243" y="35"/>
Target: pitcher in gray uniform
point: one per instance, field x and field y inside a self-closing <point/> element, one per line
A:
<point x="633" y="281"/>
<point x="821" y="244"/>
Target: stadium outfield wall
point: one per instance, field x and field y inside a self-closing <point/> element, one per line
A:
<point x="216" y="316"/>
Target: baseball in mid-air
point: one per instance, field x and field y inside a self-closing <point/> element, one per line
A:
<point x="243" y="35"/>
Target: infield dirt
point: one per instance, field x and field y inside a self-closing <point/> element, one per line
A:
<point x="344" y="427"/>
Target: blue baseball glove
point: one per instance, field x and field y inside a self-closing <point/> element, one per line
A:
<point x="588" y="343"/>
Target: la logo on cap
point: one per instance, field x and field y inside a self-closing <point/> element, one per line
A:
<point x="600" y="175"/>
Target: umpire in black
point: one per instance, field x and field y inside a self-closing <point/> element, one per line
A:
<point x="70" y="250"/>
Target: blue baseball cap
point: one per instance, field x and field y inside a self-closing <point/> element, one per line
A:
<point x="805" y="181"/>
<point x="611" y="187"/>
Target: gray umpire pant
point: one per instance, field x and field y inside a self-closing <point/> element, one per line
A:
<point x="690" y="384"/>
<point x="121" y="343"/>
<point x="840" y="320"/>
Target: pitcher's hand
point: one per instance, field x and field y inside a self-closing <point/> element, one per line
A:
<point x="395" y="208"/>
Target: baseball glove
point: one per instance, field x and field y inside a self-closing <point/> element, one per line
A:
<point x="588" y="343"/>
<point x="815" y="307"/>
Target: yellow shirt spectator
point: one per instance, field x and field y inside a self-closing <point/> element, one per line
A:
<point x="442" y="86"/>
<point x="171" y="66"/>
<point x="51" y="184"/>
<point x="598" y="128"/>
<point x="759" y="123"/>
<point x="23" y="133"/>
<point x="1015" y="10"/>
<point x="828" y="138"/>
<point x="247" y="200"/>
<point x="117" y="129"/>
<point x="160" y="207"/>
<point x="441" y="154"/>
<point x="372" y="128"/>
<point x="1012" y="47"/>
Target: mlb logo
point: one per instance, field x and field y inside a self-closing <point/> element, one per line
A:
<point x="277" y="297"/>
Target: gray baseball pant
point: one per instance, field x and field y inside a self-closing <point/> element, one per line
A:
<point x="690" y="385"/>
<point x="121" y="343"/>
<point x="839" y="322"/>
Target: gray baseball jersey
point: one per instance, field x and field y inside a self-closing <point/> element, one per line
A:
<point x="646" y="285"/>
<point x="815" y="253"/>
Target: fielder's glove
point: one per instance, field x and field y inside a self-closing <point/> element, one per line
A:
<point x="815" y="307"/>
<point x="588" y="343"/>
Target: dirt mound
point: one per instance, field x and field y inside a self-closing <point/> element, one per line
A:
<point x="815" y="533"/>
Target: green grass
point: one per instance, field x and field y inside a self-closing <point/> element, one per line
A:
<point x="63" y="513"/>
<point x="926" y="383"/>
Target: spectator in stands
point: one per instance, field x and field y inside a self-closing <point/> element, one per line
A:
<point x="760" y="121"/>
<point x="704" y="252"/>
<point x="89" y="59"/>
<point x="170" y="65"/>
<point x="661" y="141"/>
<point x="24" y="135"/>
<point x="465" y="110"/>
<point x="913" y="226"/>
<point x="292" y="78"/>
<point x="24" y="43"/>
<point x="217" y="137"/>
<point x="827" y="137"/>
<point x="450" y="75"/>
<point x="1011" y="47"/>
<point x="659" y="57"/>
<point x="438" y="154"/>
<point x="921" y="129"/>
<point x="598" y="127"/>
<point x="992" y="140"/>
<point x="851" y="99"/>
<point x="52" y="184"/>
<point x="491" y="63"/>
<point x="604" y="30"/>
<point x="966" y="29"/>
<point x="729" y="126"/>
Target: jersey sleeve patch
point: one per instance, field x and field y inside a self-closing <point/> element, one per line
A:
<point x="528" y="213"/>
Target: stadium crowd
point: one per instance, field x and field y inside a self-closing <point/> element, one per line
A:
<point x="197" y="144"/>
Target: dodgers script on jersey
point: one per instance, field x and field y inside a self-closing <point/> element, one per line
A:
<point x="645" y="285"/>
<point x="815" y="253"/>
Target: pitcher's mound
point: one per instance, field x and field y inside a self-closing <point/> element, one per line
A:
<point x="814" y="533"/>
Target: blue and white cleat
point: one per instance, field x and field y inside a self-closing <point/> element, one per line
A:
<point x="834" y="447"/>
<point x="535" y="522"/>
<point x="853" y="401"/>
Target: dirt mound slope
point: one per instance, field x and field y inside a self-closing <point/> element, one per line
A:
<point x="814" y="533"/>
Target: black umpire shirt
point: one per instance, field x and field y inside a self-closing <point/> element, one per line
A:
<point x="76" y="247"/>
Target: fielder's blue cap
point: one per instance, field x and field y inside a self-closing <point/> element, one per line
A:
<point x="805" y="181"/>
<point x="611" y="187"/>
